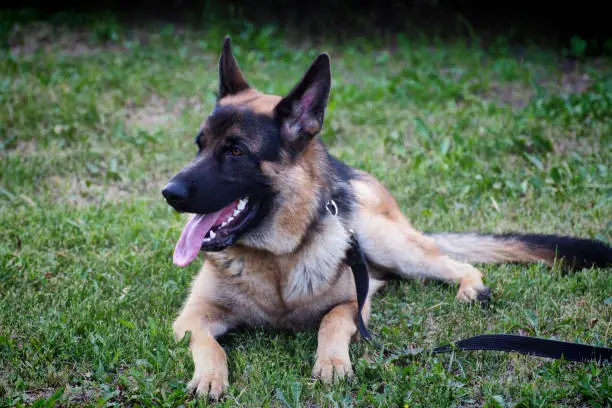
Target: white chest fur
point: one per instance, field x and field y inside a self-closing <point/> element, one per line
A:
<point x="318" y="262"/>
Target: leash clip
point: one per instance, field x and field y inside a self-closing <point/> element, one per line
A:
<point x="331" y="207"/>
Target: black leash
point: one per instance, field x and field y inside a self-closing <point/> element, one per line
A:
<point x="355" y="258"/>
<point x="531" y="346"/>
<point x="535" y="346"/>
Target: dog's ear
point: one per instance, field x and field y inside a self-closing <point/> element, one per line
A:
<point x="303" y="109"/>
<point x="231" y="80"/>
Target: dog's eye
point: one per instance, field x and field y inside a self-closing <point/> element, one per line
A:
<point x="235" y="150"/>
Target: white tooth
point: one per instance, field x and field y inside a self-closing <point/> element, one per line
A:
<point x="206" y="239"/>
<point x="236" y="212"/>
<point x="224" y="223"/>
<point x="212" y="234"/>
<point x="242" y="204"/>
<point x="230" y="219"/>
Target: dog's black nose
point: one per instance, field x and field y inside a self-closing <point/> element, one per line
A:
<point x="175" y="193"/>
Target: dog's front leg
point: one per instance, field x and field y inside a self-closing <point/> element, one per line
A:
<point x="337" y="329"/>
<point x="210" y="377"/>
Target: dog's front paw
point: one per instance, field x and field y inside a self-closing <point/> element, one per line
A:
<point x="212" y="384"/>
<point x="330" y="368"/>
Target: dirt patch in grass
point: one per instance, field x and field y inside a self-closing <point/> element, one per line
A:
<point x="159" y="113"/>
<point x="31" y="396"/>
<point x="75" y="395"/>
<point x="574" y="82"/>
<point x="21" y="148"/>
<point x="514" y="94"/>
<point x="80" y="192"/>
<point x="572" y="143"/>
<point x="25" y="41"/>
<point x="517" y="94"/>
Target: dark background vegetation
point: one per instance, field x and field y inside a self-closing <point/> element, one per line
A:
<point x="578" y="28"/>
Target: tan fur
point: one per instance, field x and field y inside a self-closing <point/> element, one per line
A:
<point x="476" y="248"/>
<point x="246" y="286"/>
<point x="253" y="99"/>
<point x="393" y="244"/>
<point x="296" y="185"/>
<point x="335" y="333"/>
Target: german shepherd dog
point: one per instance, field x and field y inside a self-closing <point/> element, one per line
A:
<point x="259" y="191"/>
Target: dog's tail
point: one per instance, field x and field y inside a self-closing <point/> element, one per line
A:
<point x="570" y="252"/>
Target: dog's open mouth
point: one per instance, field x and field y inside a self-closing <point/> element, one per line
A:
<point x="213" y="231"/>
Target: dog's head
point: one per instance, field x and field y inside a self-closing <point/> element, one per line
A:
<point x="226" y="186"/>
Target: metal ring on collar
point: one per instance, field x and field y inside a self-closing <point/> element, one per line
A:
<point x="332" y="208"/>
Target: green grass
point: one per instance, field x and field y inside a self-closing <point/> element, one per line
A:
<point x="94" y="122"/>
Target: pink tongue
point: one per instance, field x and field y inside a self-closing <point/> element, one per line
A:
<point x="190" y="242"/>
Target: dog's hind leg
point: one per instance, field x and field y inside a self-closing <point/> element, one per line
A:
<point x="391" y="243"/>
